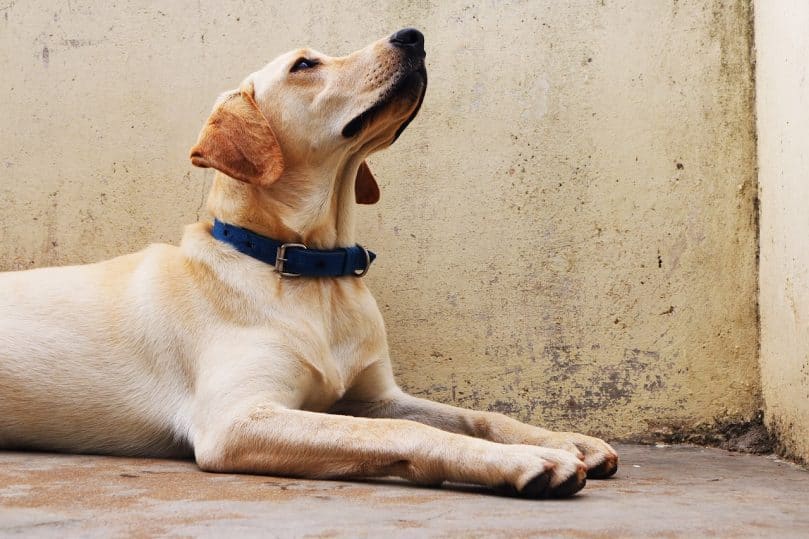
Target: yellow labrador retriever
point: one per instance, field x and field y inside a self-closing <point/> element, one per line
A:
<point x="254" y="346"/>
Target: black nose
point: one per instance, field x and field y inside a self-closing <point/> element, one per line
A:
<point x="410" y="40"/>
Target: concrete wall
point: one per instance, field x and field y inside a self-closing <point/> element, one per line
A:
<point x="566" y="233"/>
<point x="782" y="42"/>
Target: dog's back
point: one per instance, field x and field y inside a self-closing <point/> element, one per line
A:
<point x="64" y="338"/>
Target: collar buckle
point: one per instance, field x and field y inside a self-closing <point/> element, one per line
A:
<point x="280" y="260"/>
<point x="367" y="262"/>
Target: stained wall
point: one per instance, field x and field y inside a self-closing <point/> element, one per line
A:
<point x="566" y="234"/>
<point x="782" y="45"/>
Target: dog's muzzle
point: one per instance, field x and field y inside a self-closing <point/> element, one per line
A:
<point x="412" y="79"/>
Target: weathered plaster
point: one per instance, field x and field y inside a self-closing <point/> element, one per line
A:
<point x="782" y="43"/>
<point x="566" y="234"/>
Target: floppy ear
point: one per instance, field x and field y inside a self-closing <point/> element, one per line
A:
<point x="366" y="188"/>
<point x="237" y="140"/>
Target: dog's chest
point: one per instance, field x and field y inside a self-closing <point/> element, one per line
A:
<point x="347" y="329"/>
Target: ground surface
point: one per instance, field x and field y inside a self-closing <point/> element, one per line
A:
<point x="671" y="491"/>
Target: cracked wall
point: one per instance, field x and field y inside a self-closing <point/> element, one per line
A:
<point x="566" y="234"/>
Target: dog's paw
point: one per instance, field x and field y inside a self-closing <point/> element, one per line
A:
<point x="551" y="474"/>
<point x="598" y="456"/>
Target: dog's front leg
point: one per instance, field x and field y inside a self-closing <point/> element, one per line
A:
<point x="376" y="395"/>
<point x="281" y="441"/>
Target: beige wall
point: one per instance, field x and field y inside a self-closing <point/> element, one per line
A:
<point x="566" y="233"/>
<point x="782" y="42"/>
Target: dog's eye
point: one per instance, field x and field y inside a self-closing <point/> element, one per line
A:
<point x="303" y="63"/>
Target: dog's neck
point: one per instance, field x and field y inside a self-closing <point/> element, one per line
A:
<point x="315" y="207"/>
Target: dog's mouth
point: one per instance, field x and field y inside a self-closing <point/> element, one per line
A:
<point x="410" y="86"/>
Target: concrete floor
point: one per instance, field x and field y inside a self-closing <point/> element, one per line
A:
<point x="669" y="491"/>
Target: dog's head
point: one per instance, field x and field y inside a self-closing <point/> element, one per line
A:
<point x="305" y="109"/>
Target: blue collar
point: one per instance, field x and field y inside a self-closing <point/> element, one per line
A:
<point x="295" y="259"/>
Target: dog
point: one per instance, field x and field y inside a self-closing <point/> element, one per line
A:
<point x="255" y="346"/>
